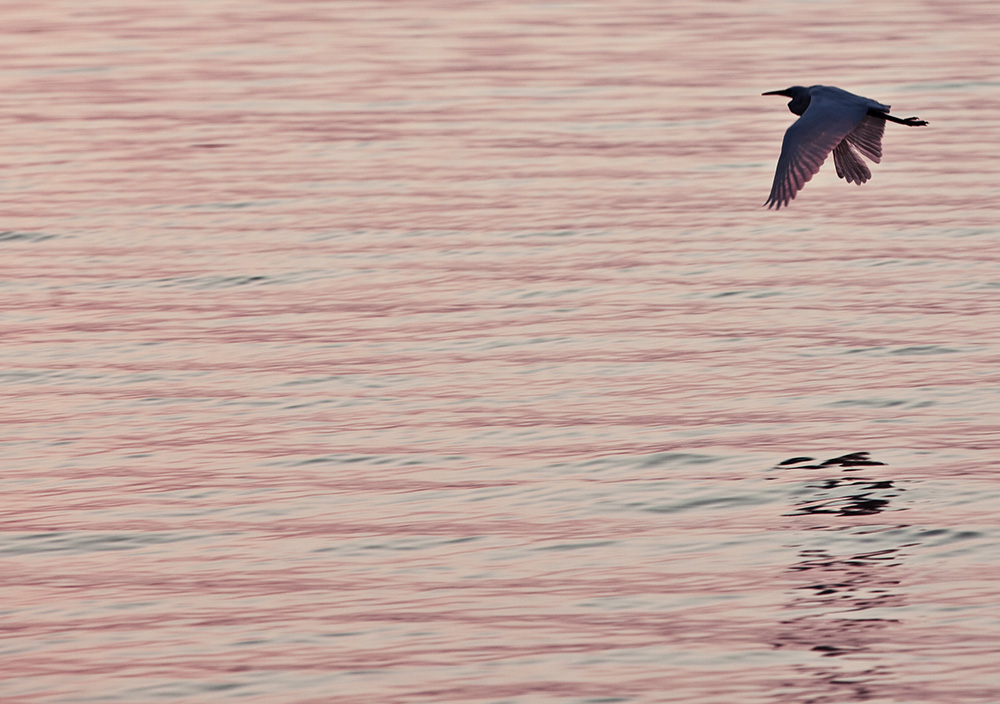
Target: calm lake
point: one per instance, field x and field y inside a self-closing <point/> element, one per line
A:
<point x="443" y="351"/>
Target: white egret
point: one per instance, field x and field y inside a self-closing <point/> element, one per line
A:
<point x="831" y="120"/>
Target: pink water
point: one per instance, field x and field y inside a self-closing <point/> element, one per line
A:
<point x="442" y="351"/>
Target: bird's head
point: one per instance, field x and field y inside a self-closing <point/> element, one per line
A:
<point x="799" y="98"/>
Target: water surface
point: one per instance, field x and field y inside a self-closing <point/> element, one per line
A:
<point x="442" y="351"/>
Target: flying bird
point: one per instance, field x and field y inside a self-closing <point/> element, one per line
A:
<point x="831" y="120"/>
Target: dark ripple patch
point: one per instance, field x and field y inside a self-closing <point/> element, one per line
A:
<point x="15" y="236"/>
<point x="909" y="350"/>
<point x="86" y="542"/>
<point x="203" y="282"/>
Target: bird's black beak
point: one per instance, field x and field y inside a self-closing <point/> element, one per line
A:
<point x="784" y="92"/>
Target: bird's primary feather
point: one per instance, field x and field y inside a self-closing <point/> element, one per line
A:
<point x="850" y="166"/>
<point x="866" y="138"/>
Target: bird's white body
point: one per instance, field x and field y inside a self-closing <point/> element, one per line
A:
<point x="832" y="120"/>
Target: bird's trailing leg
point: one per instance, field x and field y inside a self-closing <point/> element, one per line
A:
<point x="908" y="121"/>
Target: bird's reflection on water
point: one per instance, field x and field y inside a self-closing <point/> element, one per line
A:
<point x="844" y="496"/>
<point x="850" y="461"/>
<point x="840" y="576"/>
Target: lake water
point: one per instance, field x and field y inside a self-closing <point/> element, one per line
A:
<point x="385" y="352"/>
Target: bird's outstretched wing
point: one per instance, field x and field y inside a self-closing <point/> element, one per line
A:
<point x="827" y="121"/>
